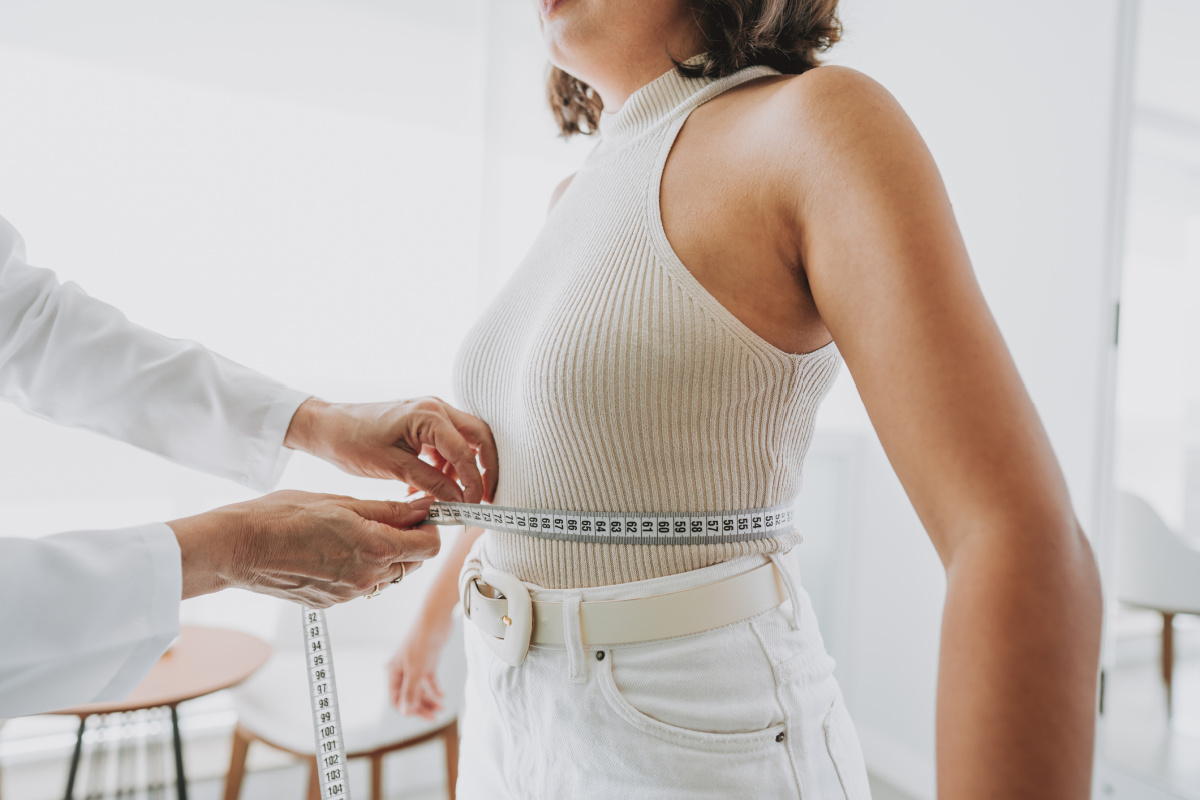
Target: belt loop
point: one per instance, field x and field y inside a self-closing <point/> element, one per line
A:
<point x="573" y="638"/>
<point x="789" y="585"/>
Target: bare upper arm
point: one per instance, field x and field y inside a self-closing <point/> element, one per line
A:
<point x="893" y="283"/>
<point x="558" y="191"/>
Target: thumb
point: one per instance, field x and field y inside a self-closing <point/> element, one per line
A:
<point x="425" y="477"/>
<point x="396" y="686"/>
<point x="392" y="512"/>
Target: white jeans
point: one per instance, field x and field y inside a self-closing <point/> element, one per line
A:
<point x="751" y="710"/>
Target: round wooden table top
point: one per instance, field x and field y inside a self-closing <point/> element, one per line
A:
<point x="203" y="661"/>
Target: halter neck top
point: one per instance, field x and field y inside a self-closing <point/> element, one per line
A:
<point x="613" y="381"/>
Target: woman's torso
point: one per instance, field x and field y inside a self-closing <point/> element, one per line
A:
<point x="614" y="381"/>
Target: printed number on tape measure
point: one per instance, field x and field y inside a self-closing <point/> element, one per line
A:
<point x="598" y="527"/>
<point x="617" y="527"/>
<point x="327" y="718"/>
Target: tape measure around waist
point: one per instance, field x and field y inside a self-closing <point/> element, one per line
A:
<point x="621" y="527"/>
<point x="603" y="527"/>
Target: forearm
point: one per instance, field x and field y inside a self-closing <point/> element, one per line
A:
<point x="306" y="548"/>
<point x="1017" y="677"/>
<point x="205" y="548"/>
<point x="304" y="426"/>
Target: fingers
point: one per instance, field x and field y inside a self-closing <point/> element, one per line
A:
<point x="410" y="696"/>
<point x="390" y="538"/>
<point x="411" y="546"/>
<point x="395" y="684"/>
<point x="430" y="453"/>
<point x="477" y="433"/>
<point x="416" y="698"/>
<point x="431" y="698"/>
<point x="400" y="569"/>
<point x="320" y="550"/>
<point x="425" y="477"/>
<point x="390" y="512"/>
<point x="443" y="435"/>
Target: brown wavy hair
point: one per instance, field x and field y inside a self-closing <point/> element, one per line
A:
<point x="788" y="35"/>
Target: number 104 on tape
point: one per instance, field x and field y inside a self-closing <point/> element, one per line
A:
<point x="327" y="719"/>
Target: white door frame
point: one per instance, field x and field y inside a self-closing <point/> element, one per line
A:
<point x="1113" y="781"/>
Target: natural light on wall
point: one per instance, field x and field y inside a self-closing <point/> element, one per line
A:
<point x="323" y="191"/>
<point x="299" y="186"/>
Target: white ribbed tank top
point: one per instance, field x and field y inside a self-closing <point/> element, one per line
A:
<point x="613" y="381"/>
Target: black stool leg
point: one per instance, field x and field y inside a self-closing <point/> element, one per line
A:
<point x="75" y="760"/>
<point x="180" y="780"/>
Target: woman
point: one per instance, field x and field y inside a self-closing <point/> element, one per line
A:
<point x="664" y="347"/>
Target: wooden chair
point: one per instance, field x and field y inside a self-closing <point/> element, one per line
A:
<point x="243" y="737"/>
<point x="1157" y="569"/>
<point x="273" y="706"/>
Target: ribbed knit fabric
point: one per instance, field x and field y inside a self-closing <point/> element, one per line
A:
<point x="613" y="381"/>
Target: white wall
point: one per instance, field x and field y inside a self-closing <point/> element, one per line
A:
<point x="274" y="179"/>
<point x="1015" y="101"/>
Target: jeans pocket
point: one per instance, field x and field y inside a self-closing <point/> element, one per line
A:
<point x="844" y="750"/>
<point x="712" y="741"/>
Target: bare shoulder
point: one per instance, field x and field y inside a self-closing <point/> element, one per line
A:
<point x="834" y="101"/>
<point x="834" y="84"/>
<point x="833" y="132"/>
<point x="826" y="107"/>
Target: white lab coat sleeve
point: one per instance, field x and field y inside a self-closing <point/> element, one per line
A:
<point x="78" y="361"/>
<point x="85" y="615"/>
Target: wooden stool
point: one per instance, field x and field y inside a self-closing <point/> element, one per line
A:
<point x="242" y="738"/>
<point x="203" y="661"/>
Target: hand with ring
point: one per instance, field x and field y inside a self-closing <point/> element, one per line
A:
<point x="309" y="548"/>
<point x="379" y="587"/>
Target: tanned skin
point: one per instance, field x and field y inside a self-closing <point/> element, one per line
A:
<point x="810" y="207"/>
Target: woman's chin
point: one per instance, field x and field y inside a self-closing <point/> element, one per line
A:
<point x="562" y="44"/>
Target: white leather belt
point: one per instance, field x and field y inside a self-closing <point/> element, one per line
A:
<point x="500" y="605"/>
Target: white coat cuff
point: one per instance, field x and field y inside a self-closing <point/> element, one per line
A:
<point x="270" y="457"/>
<point x="162" y="617"/>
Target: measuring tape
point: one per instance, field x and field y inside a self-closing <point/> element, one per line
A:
<point x="606" y="527"/>
<point x="620" y="527"/>
<point x="327" y="718"/>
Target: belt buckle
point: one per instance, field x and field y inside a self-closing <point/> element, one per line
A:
<point x="465" y="581"/>
<point x="513" y="648"/>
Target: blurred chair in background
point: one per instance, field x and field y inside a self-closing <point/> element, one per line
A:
<point x="273" y="706"/>
<point x="1157" y="569"/>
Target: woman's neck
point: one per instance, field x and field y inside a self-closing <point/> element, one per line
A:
<point x="617" y="80"/>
